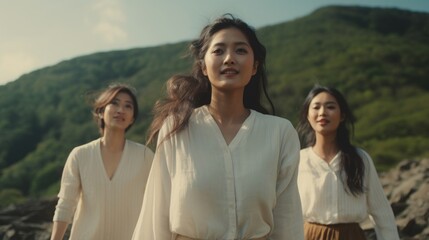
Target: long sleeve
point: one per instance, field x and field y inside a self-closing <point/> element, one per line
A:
<point x="95" y="202"/>
<point x="288" y="221"/>
<point x="70" y="190"/>
<point x="378" y="206"/>
<point x="203" y="188"/>
<point x="153" y="221"/>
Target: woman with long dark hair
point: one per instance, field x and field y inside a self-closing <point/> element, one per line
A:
<point x="338" y="182"/>
<point x="224" y="166"/>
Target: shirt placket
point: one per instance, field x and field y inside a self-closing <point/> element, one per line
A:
<point x="230" y="194"/>
<point x="334" y="191"/>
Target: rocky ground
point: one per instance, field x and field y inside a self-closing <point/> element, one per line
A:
<point x="406" y="186"/>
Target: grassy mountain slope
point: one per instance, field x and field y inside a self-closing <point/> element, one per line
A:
<point x="377" y="57"/>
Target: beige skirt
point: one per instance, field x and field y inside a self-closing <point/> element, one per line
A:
<point x="341" y="231"/>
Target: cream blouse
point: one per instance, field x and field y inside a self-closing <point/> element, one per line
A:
<point x="325" y="201"/>
<point x="202" y="188"/>
<point x="103" y="208"/>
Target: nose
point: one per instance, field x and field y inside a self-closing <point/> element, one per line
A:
<point x="229" y="58"/>
<point x="120" y="109"/>
<point x="322" y="111"/>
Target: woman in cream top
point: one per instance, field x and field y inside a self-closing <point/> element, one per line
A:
<point x="338" y="183"/>
<point x="104" y="180"/>
<point x="223" y="167"/>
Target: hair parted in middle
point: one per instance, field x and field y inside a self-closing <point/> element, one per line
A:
<point x="106" y="97"/>
<point x="351" y="162"/>
<point x="194" y="90"/>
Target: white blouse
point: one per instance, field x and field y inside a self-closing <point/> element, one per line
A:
<point x="325" y="201"/>
<point x="103" y="208"/>
<point x="202" y="188"/>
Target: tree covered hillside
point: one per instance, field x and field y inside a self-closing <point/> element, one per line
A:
<point x="377" y="57"/>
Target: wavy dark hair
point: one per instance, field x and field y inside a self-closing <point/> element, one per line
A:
<point x="106" y="96"/>
<point x="351" y="162"/>
<point x="194" y="90"/>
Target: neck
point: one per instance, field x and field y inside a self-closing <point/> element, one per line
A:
<point x="228" y="107"/>
<point x="113" y="140"/>
<point x="326" y="147"/>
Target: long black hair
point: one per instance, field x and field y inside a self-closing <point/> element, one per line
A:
<point x="194" y="90"/>
<point x="351" y="162"/>
<point x="258" y="82"/>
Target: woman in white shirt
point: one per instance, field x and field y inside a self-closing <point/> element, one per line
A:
<point x="338" y="183"/>
<point x="224" y="168"/>
<point x="104" y="180"/>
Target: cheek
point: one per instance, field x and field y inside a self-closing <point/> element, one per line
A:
<point x="310" y="115"/>
<point x="207" y="66"/>
<point x="106" y="111"/>
<point x="203" y="67"/>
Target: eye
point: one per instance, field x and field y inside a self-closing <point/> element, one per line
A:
<point x="129" y="106"/>
<point x="114" y="102"/>
<point x="217" y="51"/>
<point x="331" y="107"/>
<point x="242" y="51"/>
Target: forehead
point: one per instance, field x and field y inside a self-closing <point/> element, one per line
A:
<point x="123" y="96"/>
<point x="229" y="35"/>
<point x="324" y="98"/>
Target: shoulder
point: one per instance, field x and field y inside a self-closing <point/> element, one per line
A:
<point x="87" y="147"/>
<point x="83" y="152"/>
<point x="199" y="114"/>
<point x="366" y="158"/>
<point x="137" y="148"/>
<point x="305" y="151"/>
<point x="272" y="120"/>
<point x="135" y="145"/>
<point x="305" y="154"/>
<point x="276" y="126"/>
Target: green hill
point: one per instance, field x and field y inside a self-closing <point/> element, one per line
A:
<point x="377" y="57"/>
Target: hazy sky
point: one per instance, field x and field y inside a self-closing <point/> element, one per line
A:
<point x="39" y="33"/>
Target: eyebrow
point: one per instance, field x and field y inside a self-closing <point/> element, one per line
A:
<point x="127" y="101"/>
<point x="329" y="102"/>
<point x="222" y="44"/>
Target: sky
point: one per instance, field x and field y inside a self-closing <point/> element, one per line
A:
<point x="36" y="34"/>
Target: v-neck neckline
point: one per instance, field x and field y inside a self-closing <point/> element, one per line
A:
<point x="334" y="164"/>
<point x="238" y="136"/>
<point x="118" y="168"/>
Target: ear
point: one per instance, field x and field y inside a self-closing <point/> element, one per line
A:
<point x="255" y="68"/>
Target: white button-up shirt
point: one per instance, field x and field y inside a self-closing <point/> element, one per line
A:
<point x="325" y="200"/>
<point x="202" y="188"/>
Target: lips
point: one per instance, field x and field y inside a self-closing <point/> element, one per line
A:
<point x="229" y="71"/>
<point x="119" y="118"/>
<point x="323" y="121"/>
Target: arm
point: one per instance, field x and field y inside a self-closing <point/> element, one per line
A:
<point x="58" y="230"/>
<point x="288" y="221"/>
<point x="378" y="206"/>
<point x="154" y="219"/>
<point x="68" y="197"/>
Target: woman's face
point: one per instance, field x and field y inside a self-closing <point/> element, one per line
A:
<point x="229" y="61"/>
<point x="119" y="113"/>
<point x="324" y="114"/>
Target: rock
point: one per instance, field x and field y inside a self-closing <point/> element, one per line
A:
<point x="409" y="196"/>
<point x="31" y="220"/>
